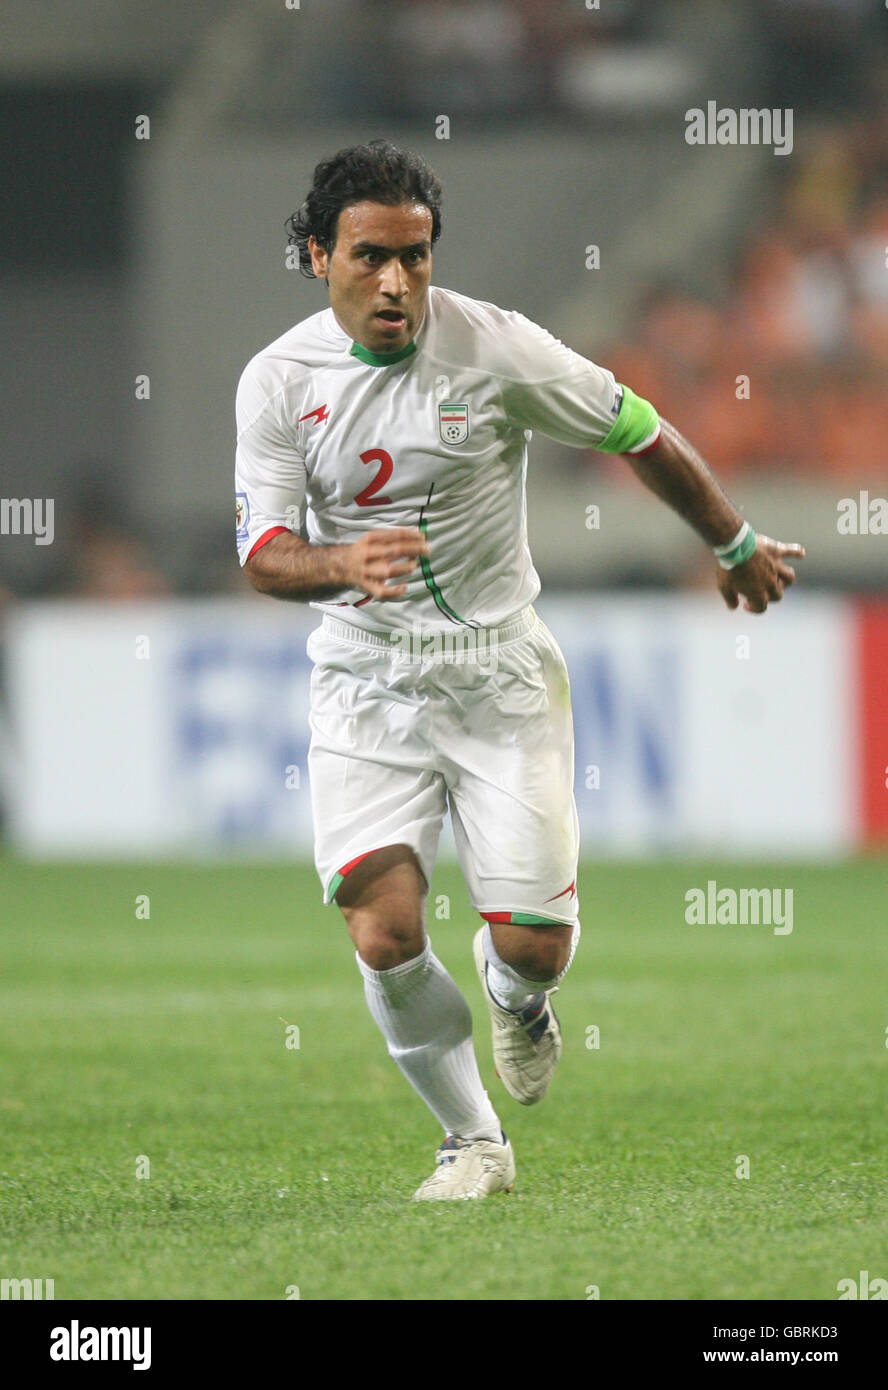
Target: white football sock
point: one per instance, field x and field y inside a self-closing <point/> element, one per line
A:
<point x="511" y="990"/>
<point x="427" y="1026"/>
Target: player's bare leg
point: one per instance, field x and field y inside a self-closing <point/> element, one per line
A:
<point x="383" y="902"/>
<point x="520" y="968"/>
<point x="425" y="1021"/>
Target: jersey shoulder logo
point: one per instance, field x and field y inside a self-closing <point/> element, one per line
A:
<point x="453" y="423"/>
<point x="242" y="515"/>
<point x="320" y="414"/>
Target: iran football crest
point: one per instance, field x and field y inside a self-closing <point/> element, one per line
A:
<point x="453" y="423"/>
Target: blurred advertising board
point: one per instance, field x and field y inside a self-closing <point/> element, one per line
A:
<point x="182" y="727"/>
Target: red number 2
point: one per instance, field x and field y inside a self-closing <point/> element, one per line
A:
<point x="367" y="497"/>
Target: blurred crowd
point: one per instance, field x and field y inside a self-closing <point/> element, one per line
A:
<point x="786" y="373"/>
<point x="486" y="58"/>
<point x="481" y="61"/>
<point x="478" y="61"/>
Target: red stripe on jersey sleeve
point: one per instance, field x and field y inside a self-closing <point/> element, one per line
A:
<point x="265" y="538"/>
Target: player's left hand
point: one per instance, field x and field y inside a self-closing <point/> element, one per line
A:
<point x="762" y="578"/>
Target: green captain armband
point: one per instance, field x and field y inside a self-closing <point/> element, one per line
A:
<point x="637" y="423"/>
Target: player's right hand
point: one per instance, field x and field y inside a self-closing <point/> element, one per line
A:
<point x="380" y="556"/>
<point x="763" y="577"/>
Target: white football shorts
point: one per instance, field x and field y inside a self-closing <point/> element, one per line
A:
<point x="478" y="721"/>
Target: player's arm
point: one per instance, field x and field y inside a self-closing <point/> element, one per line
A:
<point x="289" y="567"/>
<point x="547" y="386"/>
<point x="673" y="470"/>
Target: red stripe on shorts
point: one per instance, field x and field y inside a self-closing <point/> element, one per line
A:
<point x="352" y="863"/>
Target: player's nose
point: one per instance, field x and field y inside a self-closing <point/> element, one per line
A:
<point x="394" y="279"/>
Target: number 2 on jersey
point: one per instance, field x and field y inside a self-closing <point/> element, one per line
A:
<point x="367" y="497"/>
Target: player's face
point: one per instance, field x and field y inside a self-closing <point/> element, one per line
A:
<point x="378" y="272"/>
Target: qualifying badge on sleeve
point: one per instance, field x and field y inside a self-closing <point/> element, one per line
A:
<point x="241" y="516"/>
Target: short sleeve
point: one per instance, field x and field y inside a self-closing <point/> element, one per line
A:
<point x="269" y="468"/>
<point x="569" y="398"/>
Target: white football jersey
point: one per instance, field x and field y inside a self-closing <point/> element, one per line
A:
<point x="433" y="436"/>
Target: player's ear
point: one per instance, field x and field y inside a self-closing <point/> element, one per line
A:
<point x="319" y="259"/>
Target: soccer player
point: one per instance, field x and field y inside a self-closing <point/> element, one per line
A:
<point x="400" y="417"/>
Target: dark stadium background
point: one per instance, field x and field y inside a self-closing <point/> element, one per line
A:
<point x="163" y="257"/>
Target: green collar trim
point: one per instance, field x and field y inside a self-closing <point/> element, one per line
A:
<point x="381" y="359"/>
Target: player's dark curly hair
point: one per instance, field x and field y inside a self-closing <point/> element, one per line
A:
<point x="377" y="172"/>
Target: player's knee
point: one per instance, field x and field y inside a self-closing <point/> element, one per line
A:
<point x="382" y="943"/>
<point x="550" y="956"/>
<point x="536" y="952"/>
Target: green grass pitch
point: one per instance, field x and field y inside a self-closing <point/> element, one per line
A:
<point x="271" y="1167"/>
